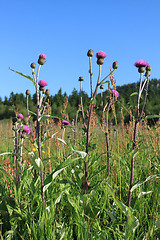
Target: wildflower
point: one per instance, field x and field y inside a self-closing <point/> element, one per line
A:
<point x="141" y="63"/>
<point x="34" y="149"/>
<point x="42" y="56"/>
<point x="101" y="54"/>
<point x="115" y="93"/>
<point x="20" y="116"/>
<point x="26" y="130"/>
<point x="111" y="123"/>
<point x="90" y="53"/>
<point x="79" y="106"/>
<point x="65" y="122"/>
<point x="42" y="83"/>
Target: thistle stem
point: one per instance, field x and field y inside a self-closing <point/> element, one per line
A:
<point x="88" y="131"/>
<point x="38" y="133"/>
<point x="134" y="141"/>
<point x="84" y="123"/>
<point x="90" y="71"/>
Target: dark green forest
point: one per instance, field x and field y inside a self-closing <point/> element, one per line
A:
<point x="59" y="102"/>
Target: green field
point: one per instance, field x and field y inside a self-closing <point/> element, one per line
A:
<point x="69" y="213"/>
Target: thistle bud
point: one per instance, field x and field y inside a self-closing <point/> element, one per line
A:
<point x="33" y="65"/>
<point x="141" y="69"/>
<point x="81" y="79"/>
<point x="115" y="65"/>
<point x="102" y="86"/>
<point x="42" y="89"/>
<point x="148" y="68"/>
<point x="47" y="92"/>
<point x="42" y="59"/>
<point x="100" y="61"/>
<point x="28" y="92"/>
<point x="147" y="74"/>
<point x="90" y="53"/>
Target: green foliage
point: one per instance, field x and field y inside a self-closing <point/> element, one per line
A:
<point x="127" y="98"/>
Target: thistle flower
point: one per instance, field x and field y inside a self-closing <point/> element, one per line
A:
<point x="42" y="83"/>
<point x="20" y="116"/>
<point x="141" y="63"/>
<point x="115" y="93"/>
<point x="26" y="130"/>
<point x="65" y="122"/>
<point x="42" y="56"/>
<point x="101" y="54"/>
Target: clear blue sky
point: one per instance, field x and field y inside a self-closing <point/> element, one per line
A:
<point x="64" y="30"/>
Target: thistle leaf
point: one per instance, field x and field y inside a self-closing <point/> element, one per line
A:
<point x="24" y="75"/>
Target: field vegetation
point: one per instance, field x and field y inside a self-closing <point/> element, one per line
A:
<point x="68" y="176"/>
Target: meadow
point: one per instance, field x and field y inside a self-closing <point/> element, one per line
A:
<point x="84" y="179"/>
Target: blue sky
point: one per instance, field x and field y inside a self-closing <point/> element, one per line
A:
<point x="64" y="30"/>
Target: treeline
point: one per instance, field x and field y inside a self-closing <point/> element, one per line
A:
<point x="66" y="106"/>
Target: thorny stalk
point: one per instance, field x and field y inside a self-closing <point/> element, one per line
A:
<point x="38" y="135"/>
<point x="89" y="124"/>
<point x="91" y="74"/>
<point x="137" y="119"/>
<point x="84" y="123"/>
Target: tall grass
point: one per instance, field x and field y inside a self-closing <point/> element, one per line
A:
<point x="21" y="208"/>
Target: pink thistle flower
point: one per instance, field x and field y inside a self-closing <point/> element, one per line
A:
<point x="115" y="93"/>
<point x="42" y="83"/>
<point x="48" y="107"/>
<point x="26" y="129"/>
<point x="42" y="56"/>
<point x="65" y="122"/>
<point x="141" y="63"/>
<point x="20" y="116"/>
<point x="101" y="54"/>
